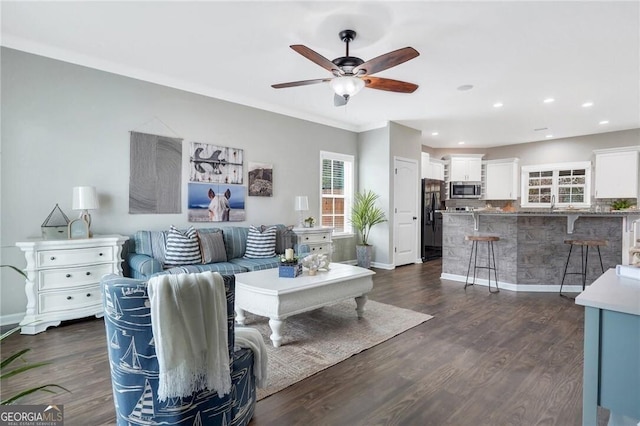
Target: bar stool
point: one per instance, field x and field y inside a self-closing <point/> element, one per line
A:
<point x="584" y="257"/>
<point x="475" y="239"/>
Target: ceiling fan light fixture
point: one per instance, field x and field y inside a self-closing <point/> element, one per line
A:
<point x="347" y="85"/>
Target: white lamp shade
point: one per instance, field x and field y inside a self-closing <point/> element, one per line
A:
<point x="347" y="85"/>
<point x="301" y="203"/>
<point x="85" y="198"/>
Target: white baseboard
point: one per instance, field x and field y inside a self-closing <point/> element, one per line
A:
<point x="11" y="319"/>
<point x="539" y="288"/>
<point x="387" y="266"/>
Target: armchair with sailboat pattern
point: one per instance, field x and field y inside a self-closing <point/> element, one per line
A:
<point x="135" y="371"/>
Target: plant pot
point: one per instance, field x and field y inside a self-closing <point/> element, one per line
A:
<point x="363" y="254"/>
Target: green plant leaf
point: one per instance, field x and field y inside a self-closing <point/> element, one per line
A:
<point x="365" y="214"/>
<point x="24" y="393"/>
<point x="9" y="360"/>
<point x="15" y="269"/>
<point x="22" y="369"/>
<point x="9" y="332"/>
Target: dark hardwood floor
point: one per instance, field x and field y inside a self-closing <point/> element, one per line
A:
<point x="501" y="359"/>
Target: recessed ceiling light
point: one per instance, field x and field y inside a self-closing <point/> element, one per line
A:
<point x="434" y="133"/>
<point x="465" y="87"/>
<point x="604" y="122"/>
<point x="461" y="143"/>
<point x="549" y="136"/>
<point x="548" y="100"/>
<point x="497" y="105"/>
<point x="587" y="104"/>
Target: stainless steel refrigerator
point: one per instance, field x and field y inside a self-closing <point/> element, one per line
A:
<point x="432" y="199"/>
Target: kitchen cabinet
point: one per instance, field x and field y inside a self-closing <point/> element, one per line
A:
<point x="63" y="278"/>
<point x="465" y="168"/>
<point x="435" y="170"/>
<point x="617" y="172"/>
<point x="501" y="179"/>
<point x="432" y="168"/>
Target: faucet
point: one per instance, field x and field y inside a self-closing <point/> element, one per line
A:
<point x="553" y="202"/>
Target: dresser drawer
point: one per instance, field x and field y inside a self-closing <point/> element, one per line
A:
<point x="315" y="238"/>
<point x="320" y="249"/>
<point x="72" y="277"/>
<point x="56" y="258"/>
<point x="69" y="299"/>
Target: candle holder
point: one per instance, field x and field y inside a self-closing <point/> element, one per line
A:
<point x="289" y="268"/>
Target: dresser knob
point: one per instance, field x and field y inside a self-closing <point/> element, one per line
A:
<point x="69" y="297"/>
<point x="99" y="254"/>
<point x="324" y="236"/>
<point x="88" y="273"/>
<point x="53" y="258"/>
<point x="88" y="294"/>
<point x="68" y="275"/>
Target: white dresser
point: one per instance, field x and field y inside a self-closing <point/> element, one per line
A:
<point x="317" y="238"/>
<point x="64" y="278"/>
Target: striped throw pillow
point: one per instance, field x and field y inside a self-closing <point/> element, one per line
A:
<point x="182" y="248"/>
<point x="261" y="244"/>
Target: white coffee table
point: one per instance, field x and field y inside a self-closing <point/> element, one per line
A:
<point x="264" y="293"/>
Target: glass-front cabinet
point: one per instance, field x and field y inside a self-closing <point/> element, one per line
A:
<point x="557" y="185"/>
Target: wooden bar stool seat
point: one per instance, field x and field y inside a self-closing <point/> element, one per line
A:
<point x="489" y="239"/>
<point x="584" y="257"/>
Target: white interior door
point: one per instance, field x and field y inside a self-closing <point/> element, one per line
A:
<point x="405" y="187"/>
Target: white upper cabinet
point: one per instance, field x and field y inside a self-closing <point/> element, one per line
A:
<point x="432" y="168"/>
<point x="424" y="165"/>
<point x="501" y="179"/>
<point x="617" y="172"/>
<point x="465" y="168"/>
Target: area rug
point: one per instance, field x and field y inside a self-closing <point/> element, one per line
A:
<point x="316" y="340"/>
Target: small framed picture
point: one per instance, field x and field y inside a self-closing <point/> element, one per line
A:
<point x="78" y="228"/>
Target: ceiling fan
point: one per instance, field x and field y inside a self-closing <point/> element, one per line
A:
<point x="351" y="74"/>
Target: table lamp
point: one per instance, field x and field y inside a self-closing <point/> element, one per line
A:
<point x="301" y="205"/>
<point x="85" y="198"/>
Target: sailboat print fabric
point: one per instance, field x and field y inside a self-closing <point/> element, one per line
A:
<point x="134" y="365"/>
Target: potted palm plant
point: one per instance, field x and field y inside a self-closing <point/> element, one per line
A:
<point x="364" y="215"/>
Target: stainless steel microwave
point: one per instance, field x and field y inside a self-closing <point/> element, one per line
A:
<point x="465" y="189"/>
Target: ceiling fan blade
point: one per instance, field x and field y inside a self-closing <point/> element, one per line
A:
<point x="386" y="61"/>
<point x="339" y="100"/>
<point x="316" y="57"/>
<point x="389" y="84"/>
<point x="300" y="83"/>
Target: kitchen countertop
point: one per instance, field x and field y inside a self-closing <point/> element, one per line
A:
<point x="613" y="293"/>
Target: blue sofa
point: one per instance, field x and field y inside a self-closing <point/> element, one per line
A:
<point x="134" y="365"/>
<point x="146" y="253"/>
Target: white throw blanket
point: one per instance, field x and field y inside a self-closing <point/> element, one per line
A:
<point x="252" y="339"/>
<point x="189" y="322"/>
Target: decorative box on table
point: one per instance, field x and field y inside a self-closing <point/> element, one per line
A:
<point x="290" y="270"/>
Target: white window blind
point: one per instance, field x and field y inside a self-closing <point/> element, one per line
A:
<point x="337" y="191"/>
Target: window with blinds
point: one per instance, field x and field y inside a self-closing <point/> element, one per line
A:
<point x="560" y="185"/>
<point x="337" y="191"/>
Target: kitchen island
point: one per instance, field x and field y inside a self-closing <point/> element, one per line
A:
<point x="531" y="253"/>
<point x="611" y="347"/>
